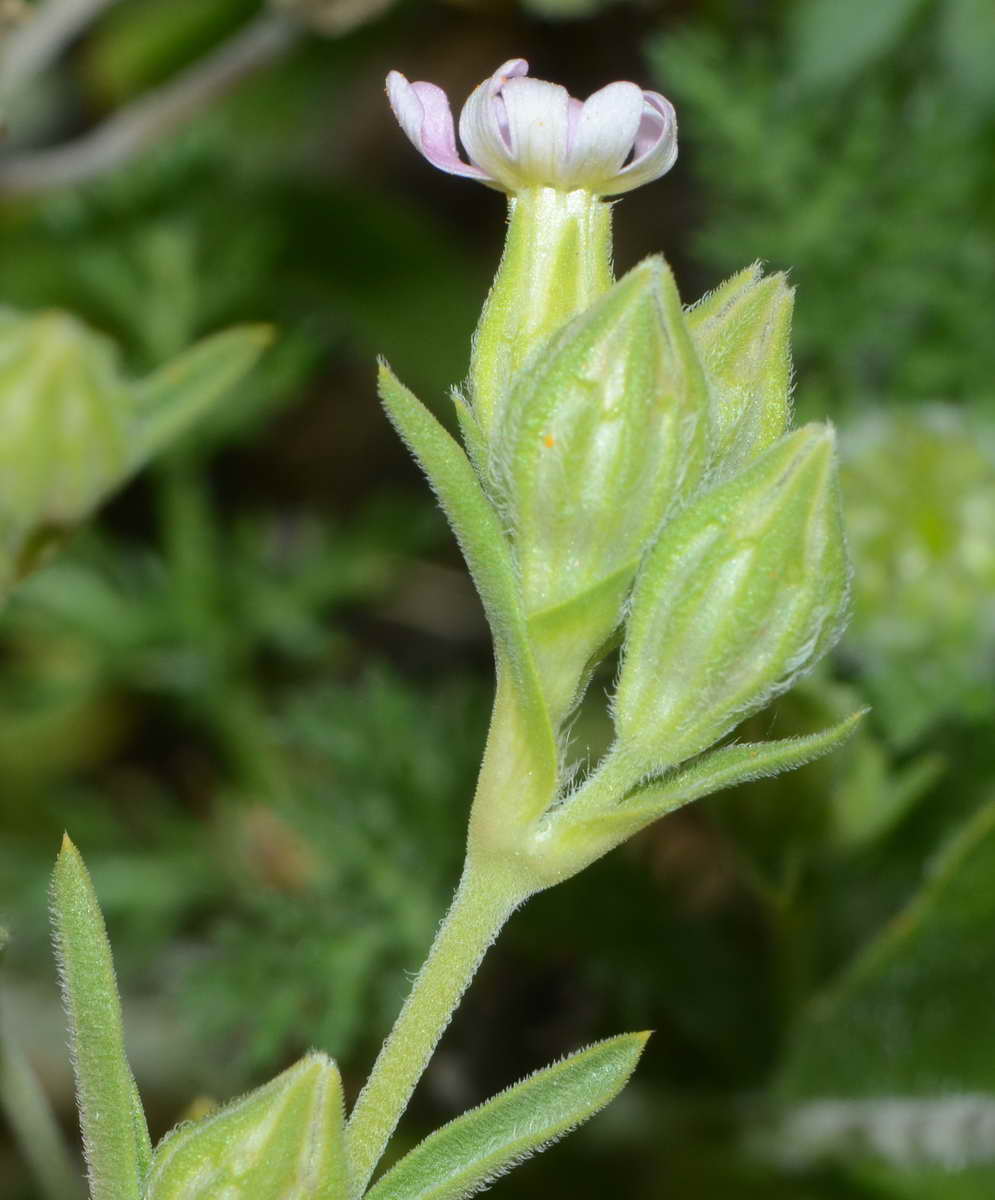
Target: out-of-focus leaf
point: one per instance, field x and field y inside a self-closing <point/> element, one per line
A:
<point x="967" y="38"/>
<point x="464" y="1156"/>
<point x="913" y="1016"/>
<point x="834" y="39"/>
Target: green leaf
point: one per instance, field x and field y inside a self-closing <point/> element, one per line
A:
<point x="35" y="1127"/>
<point x="578" y="834"/>
<point x="464" y="1156"/>
<point x="834" y="39"/>
<point x="174" y="397"/>
<point x="284" y="1139"/>
<point x="115" y="1136"/>
<point x="485" y="548"/>
<point x="913" y="1015"/>
<point x="967" y="38"/>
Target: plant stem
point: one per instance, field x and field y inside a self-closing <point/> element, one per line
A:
<point x="482" y="904"/>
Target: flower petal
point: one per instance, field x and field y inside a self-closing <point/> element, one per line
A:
<point x="538" y="119"/>
<point x="483" y="128"/>
<point x="605" y="133"/>
<point x="655" y="148"/>
<point x="422" y="110"/>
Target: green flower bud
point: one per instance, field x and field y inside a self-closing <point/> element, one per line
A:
<point x="73" y="426"/>
<point x="63" y="415"/>
<point x="745" y="590"/>
<point x="742" y="332"/>
<point x="284" y="1139"/>
<point x="599" y="438"/>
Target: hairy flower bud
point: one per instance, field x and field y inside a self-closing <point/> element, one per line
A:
<point x="742" y="332"/>
<point x="284" y="1139"/>
<point x="598" y="439"/>
<point x="745" y="590"/>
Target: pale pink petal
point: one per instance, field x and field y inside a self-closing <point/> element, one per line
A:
<point x="606" y="131"/>
<point x="483" y="127"/>
<point x="423" y="112"/>
<point x="655" y="147"/>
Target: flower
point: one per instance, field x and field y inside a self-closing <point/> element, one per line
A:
<point x="522" y="133"/>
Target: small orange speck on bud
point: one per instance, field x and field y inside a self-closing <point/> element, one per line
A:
<point x="549" y="441"/>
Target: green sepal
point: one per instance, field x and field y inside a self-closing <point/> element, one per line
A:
<point x="478" y="530"/>
<point x="116" y="1140"/>
<point x="744" y="591"/>
<point x="742" y="332"/>
<point x="464" y="1156"/>
<point x="284" y="1139"/>
<point x="580" y="833"/>
<point x="169" y="401"/>
<point x="473" y="437"/>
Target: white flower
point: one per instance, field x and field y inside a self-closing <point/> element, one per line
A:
<point x="522" y="133"/>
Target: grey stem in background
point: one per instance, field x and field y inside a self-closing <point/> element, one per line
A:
<point x="42" y="36"/>
<point x="154" y="114"/>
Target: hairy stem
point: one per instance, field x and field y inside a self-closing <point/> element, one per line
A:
<point x="482" y="904"/>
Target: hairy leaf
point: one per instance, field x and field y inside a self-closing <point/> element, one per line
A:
<point x="464" y="1156"/>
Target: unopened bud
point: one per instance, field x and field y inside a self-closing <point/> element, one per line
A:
<point x="599" y="438"/>
<point x="745" y="590"/>
<point x="284" y="1139"/>
<point x="742" y="332"/>
<point x="73" y="426"/>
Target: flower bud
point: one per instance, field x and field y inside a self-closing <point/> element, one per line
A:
<point x="742" y="332"/>
<point x="73" y="426"/>
<point x="63" y="419"/>
<point x="745" y="590"/>
<point x="284" y="1139"/>
<point x="598" y="439"/>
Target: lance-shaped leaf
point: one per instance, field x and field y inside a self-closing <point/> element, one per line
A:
<point x="742" y="332"/>
<point x="578" y="833"/>
<point x="115" y="1136"/>
<point x="284" y="1139"/>
<point x="169" y="401"/>
<point x="464" y="1156"/>
<point x="485" y="548"/>
<point x="745" y="590"/>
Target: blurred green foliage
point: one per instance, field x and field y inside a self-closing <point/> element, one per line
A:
<point x="256" y="689"/>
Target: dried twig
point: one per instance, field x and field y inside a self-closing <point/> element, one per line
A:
<point x="154" y="114"/>
<point x="40" y="37"/>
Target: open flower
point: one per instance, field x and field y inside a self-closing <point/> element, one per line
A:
<point x="523" y="133"/>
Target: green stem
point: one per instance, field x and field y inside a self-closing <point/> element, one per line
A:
<point x="482" y="904"/>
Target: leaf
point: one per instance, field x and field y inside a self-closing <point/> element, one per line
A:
<point x="284" y="1139"/>
<point x="579" y="835"/>
<point x="116" y="1140"/>
<point x="967" y="38"/>
<point x="834" y="39"/>
<point x="36" y="1129"/>
<point x="913" y="1015"/>
<point x="485" y="548"/>
<point x="174" y="397"/>
<point x="464" y="1156"/>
